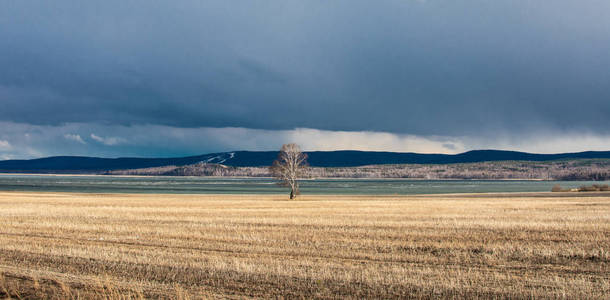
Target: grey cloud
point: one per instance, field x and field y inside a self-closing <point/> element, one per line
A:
<point x="5" y="146"/>
<point x="409" y="67"/>
<point x="74" y="137"/>
<point x="108" y="141"/>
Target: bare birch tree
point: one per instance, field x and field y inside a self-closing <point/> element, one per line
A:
<point x="289" y="166"/>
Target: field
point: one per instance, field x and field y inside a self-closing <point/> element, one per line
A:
<point x="105" y="246"/>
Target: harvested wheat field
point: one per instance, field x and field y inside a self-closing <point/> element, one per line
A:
<point x="58" y="246"/>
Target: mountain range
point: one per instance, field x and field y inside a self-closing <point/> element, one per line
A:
<point x="346" y="158"/>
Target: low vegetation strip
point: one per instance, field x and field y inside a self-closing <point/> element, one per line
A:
<point x="56" y="245"/>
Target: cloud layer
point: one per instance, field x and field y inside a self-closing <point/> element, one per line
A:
<point x="409" y="67"/>
<point x="158" y="78"/>
<point x="29" y="141"/>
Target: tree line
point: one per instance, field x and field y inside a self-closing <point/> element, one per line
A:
<point x="584" y="169"/>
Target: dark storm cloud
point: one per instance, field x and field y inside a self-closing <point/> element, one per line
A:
<point x="418" y="67"/>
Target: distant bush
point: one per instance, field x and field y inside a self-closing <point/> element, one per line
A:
<point x="587" y="189"/>
<point x="594" y="188"/>
<point x="602" y="187"/>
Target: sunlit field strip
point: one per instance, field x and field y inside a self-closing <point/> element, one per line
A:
<point x="58" y="245"/>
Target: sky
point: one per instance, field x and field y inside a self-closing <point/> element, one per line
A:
<point x="173" y="78"/>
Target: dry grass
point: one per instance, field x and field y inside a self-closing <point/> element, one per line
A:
<point x="81" y="246"/>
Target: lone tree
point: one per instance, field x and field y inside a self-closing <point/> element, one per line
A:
<point x="290" y="164"/>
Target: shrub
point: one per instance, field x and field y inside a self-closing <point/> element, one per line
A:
<point x="556" y="188"/>
<point x="588" y="189"/>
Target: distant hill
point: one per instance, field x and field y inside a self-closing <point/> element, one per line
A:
<point x="76" y="164"/>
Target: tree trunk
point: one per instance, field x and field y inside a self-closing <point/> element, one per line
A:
<point x="291" y="194"/>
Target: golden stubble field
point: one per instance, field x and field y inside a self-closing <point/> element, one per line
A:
<point x="59" y="245"/>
